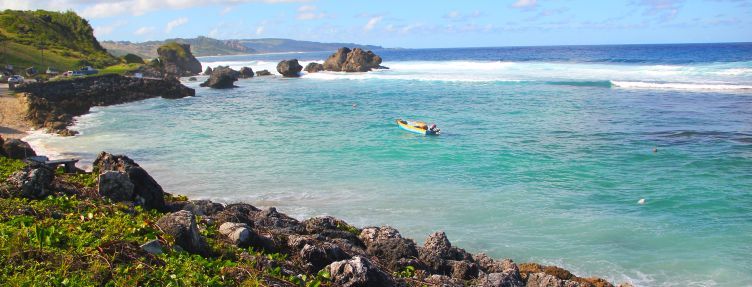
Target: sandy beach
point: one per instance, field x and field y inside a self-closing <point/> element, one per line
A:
<point x="12" y="122"/>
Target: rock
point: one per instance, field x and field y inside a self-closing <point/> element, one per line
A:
<point x="355" y="60"/>
<point x="17" y="149"/>
<point x="444" y="281"/>
<point x="318" y="256"/>
<point x="387" y="244"/>
<point x="33" y="183"/>
<point x="500" y="280"/>
<point x="222" y="78"/>
<point x="238" y="233"/>
<point x="271" y="219"/>
<point x="463" y="270"/>
<point x="289" y="68"/>
<point x="153" y="247"/>
<point x="626" y="284"/>
<point x="358" y="272"/>
<point x="208" y="71"/>
<point x="116" y="185"/>
<point x="146" y="190"/>
<point x="2" y="149"/>
<point x="437" y="253"/>
<point x="543" y="280"/>
<point x="177" y="60"/>
<point x="314" y="67"/>
<point x="246" y="73"/>
<point x="263" y="73"/>
<point x="182" y="227"/>
<point x="203" y="207"/>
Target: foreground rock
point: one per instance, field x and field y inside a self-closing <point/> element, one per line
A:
<point x="145" y="190"/>
<point x="314" y="67"/>
<point x="355" y="60"/>
<point x="52" y="105"/>
<point x="182" y="227"/>
<point x="16" y="149"/>
<point x="222" y="78"/>
<point x="208" y="71"/>
<point x="289" y="68"/>
<point x="177" y="60"/>
<point x="358" y="272"/>
<point x="32" y="182"/>
<point x="246" y="72"/>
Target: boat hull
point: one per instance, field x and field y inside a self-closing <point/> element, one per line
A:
<point x="405" y="125"/>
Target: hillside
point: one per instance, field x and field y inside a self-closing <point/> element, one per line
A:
<point x="49" y="39"/>
<point x="275" y="45"/>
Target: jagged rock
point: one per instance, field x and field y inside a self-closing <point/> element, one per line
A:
<point x="444" y="281"/>
<point x="177" y="60"/>
<point x="17" y="149"/>
<point x="246" y="72"/>
<point x="500" y="280"/>
<point x="271" y="219"/>
<point x="463" y="270"/>
<point x="318" y="256"/>
<point x="146" y="190"/>
<point x="337" y="60"/>
<point x="355" y="60"/>
<point x="153" y="247"/>
<point x="182" y="227"/>
<point x="314" y="67"/>
<point x="289" y="68"/>
<point x="263" y="73"/>
<point x="237" y="212"/>
<point x="116" y="185"/>
<point x="437" y="254"/>
<point x="208" y="71"/>
<point x="358" y="272"/>
<point x="222" y="78"/>
<point x="543" y="280"/>
<point x="32" y="182"/>
<point x="238" y="233"/>
<point x="387" y="244"/>
<point x="203" y="207"/>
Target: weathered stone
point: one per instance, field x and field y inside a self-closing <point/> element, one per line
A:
<point x="355" y="60"/>
<point x="358" y="272"/>
<point x="222" y="78"/>
<point x="32" y="183"/>
<point x="177" y="60"/>
<point x="463" y="270"/>
<point x="153" y="247"/>
<point x="146" y="190"/>
<point x="203" y="207"/>
<point x="263" y="73"/>
<point x="444" y="281"/>
<point x="116" y="185"/>
<point x="317" y="256"/>
<point x="246" y="72"/>
<point x="17" y="149"/>
<point x="271" y="219"/>
<point x="289" y="68"/>
<point x="543" y="280"/>
<point x="500" y="280"/>
<point x="387" y="244"/>
<point x="238" y="233"/>
<point x="314" y="67"/>
<point x="208" y="71"/>
<point x="182" y="227"/>
<point x="237" y="212"/>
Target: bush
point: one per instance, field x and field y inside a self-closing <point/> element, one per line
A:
<point x="133" y="59"/>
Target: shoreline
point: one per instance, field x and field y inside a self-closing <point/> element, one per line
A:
<point x="13" y="122"/>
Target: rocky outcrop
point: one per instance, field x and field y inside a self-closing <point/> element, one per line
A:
<point x="355" y="60"/>
<point x="16" y="149"/>
<point x="177" y="60"/>
<point x="263" y="73"/>
<point x="314" y="67"/>
<point x="52" y="105"/>
<point x="32" y="182"/>
<point x="246" y="72"/>
<point x="208" y="71"/>
<point x="358" y="272"/>
<point x="222" y="78"/>
<point x="146" y="191"/>
<point x="441" y="257"/>
<point x="289" y="68"/>
<point x="387" y="244"/>
<point x="116" y="185"/>
<point x="182" y="227"/>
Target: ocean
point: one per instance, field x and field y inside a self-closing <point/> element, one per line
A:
<point x="544" y="152"/>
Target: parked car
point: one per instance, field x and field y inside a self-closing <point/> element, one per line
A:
<point x="88" y="70"/>
<point x="15" y="79"/>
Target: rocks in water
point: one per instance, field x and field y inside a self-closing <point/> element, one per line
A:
<point x="355" y="60"/>
<point x="238" y="233"/>
<point x="182" y="227"/>
<point x="153" y="247"/>
<point x="32" y="182"/>
<point x="263" y="73"/>
<point x="208" y="71"/>
<point x="387" y="244"/>
<point x="177" y="60"/>
<point x="116" y="185"/>
<point x="314" y="67"/>
<point x="17" y="149"/>
<point x="222" y="78"/>
<point x="289" y="68"/>
<point x="146" y="191"/>
<point x="246" y="72"/>
<point x="358" y="272"/>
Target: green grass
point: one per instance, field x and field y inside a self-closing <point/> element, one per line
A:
<point x="8" y="167"/>
<point x="119" y="69"/>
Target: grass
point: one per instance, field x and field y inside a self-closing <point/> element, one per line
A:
<point x="119" y="69"/>
<point x="8" y="167"/>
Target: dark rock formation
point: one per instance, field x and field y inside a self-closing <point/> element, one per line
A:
<point x="289" y="68"/>
<point x="358" y="272"/>
<point x="314" y="67"/>
<point x="116" y="185"/>
<point x="263" y="73"/>
<point x="16" y="149"/>
<point x="2" y="149"/>
<point x="246" y="72"/>
<point x="356" y="60"/>
<point x="146" y="191"/>
<point x="208" y="71"/>
<point x="203" y="207"/>
<point x="387" y="244"/>
<point x="32" y="182"/>
<point x="182" y="227"/>
<point x="53" y="104"/>
<point x="177" y="60"/>
<point x="442" y="258"/>
<point x="222" y="78"/>
<point x="238" y="212"/>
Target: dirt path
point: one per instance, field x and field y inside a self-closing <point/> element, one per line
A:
<point x="12" y="122"/>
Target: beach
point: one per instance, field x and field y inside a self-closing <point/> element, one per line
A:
<point x="12" y="113"/>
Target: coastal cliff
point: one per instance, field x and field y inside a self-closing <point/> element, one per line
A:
<point x="52" y="105"/>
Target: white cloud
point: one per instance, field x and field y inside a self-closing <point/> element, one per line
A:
<point x="175" y="23"/>
<point x="143" y="31"/>
<point x="309" y="12"/>
<point x="525" y="3"/>
<point x="260" y="30"/>
<point x="372" y="23"/>
<point x="459" y="16"/>
<point x="108" y="29"/>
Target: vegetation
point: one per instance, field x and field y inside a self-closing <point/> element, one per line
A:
<point x="133" y="59"/>
<point x="200" y="46"/>
<point x="8" y="167"/>
<point x="119" y="69"/>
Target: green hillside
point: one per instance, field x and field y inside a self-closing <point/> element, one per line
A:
<point x="200" y="46"/>
<point x="49" y="39"/>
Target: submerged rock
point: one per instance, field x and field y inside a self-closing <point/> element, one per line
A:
<point x="289" y="68"/>
<point x="182" y="227"/>
<point x="222" y="78"/>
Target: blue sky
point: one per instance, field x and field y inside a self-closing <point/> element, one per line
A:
<point x="417" y="24"/>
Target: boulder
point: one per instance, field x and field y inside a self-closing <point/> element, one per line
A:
<point x="182" y="227"/>
<point x="17" y="149"/>
<point x="387" y="244"/>
<point x="337" y="60"/>
<point x="153" y="247"/>
<point x="222" y="78"/>
<point x="437" y="254"/>
<point x="177" y="60"/>
<point x="280" y="222"/>
<point x="236" y="212"/>
<point x="203" y="207"/>
<point x="238" y="233"/>
<point x="358" y="272"/>
<point x="500" y="280"/>
<point x="116" y="185"/>
<point x="246" y="72"/>
<point x="146" y="190"/>
<point x="355" y="60"/>
<point x="314" y="67"/>
<point x="318" y="255"/>
<point x="263" y="73"/>
<point x="289" y="68"/>
<point x="208" y="71"/>
<point x="32" y="182"/>
<point x="543" y="280"/>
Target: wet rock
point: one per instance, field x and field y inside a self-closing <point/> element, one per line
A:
<point x="289" y="68"/>
<point x="238" y="233"/>
<point x="17" y="149"/>
<point x="33" y="183"/>
<point x="222" y="78"/>
<point x="263" y="73"/>
<point x="246" y="72"/>
<point x="387" y="244"/>
<point x="314" y="67"/>
<point x="355" y="60"/>
<point x="153" y="247"/>
<point x="116" y="185"/>
<point x="208" y="71"/>
<point x="358" y="272"/>
<point x="182" y="227"/>
<point x="146" y="190"/>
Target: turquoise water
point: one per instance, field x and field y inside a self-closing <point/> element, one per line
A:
<point x="537" y="161"/>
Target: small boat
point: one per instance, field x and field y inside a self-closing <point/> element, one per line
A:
<point x="418" y="127"/>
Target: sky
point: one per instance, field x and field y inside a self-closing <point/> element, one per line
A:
<point x="417" y="24"/>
